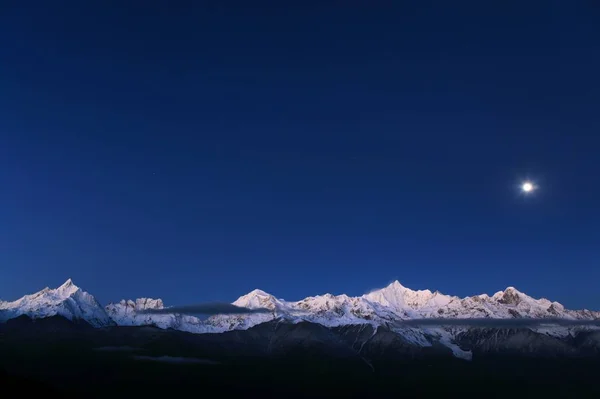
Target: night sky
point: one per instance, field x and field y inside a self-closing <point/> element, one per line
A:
<point x="196" y="152"/>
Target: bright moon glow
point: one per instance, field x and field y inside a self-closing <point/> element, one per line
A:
<point x="527" y="187"/>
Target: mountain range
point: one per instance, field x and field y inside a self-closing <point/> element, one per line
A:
<point x="379" y="312"/>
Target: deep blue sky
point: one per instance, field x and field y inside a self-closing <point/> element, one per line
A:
<point x="198" y="152"/>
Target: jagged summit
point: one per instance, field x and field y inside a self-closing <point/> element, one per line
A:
<point x="67" y="283"/>
<point x="258" y="299"/>
<point x="256" y="292"/>
<point x="68" y="301"/>
<point x="402" y="299"/>
<point x="67" y="289"/>
<point x="508" y="290"/>
<point x="139" y="304"/>
<point x="395" y="284"/>
<point x="129" y="312"/>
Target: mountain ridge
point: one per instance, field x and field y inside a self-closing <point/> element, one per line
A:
<point x="68" y="300"/>
<point x="387" y="307"/>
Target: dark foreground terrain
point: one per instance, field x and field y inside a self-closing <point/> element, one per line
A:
<point x="56" y="356"/>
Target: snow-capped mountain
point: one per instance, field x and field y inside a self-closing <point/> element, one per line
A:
<point x="509" y="303"/>
<point x="396" y="302"/>
<point x="387" y="307"/>
<point x="129" y="313"/>
<point x="68" y="301"/>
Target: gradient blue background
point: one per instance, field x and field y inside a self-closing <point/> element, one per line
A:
<point x="196" y="152"/>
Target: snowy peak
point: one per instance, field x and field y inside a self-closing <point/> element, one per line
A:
<point x="402" y="299"/>
<point x="395" y="285"/>
<point x="128" y="308"/>
<point x="68" y="301"/>
<point x="510" y="296"/>
<point x="143" y="304"/>
<point x="258" y="299"/>
<point x="322" y="303"/>
<point x="67" y="284"/>
<point x="390" y="296"/>
<point x="129" y="312"/>
<point x="513" y="297"/>
<point x="67" y="289"/>
<point x="257" y="292"/>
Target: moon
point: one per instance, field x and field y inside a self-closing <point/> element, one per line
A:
<point x="527" y="187"/>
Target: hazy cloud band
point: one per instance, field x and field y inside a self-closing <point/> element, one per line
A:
<point x="215" y="308"/>
<point x="212" y="308"/>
